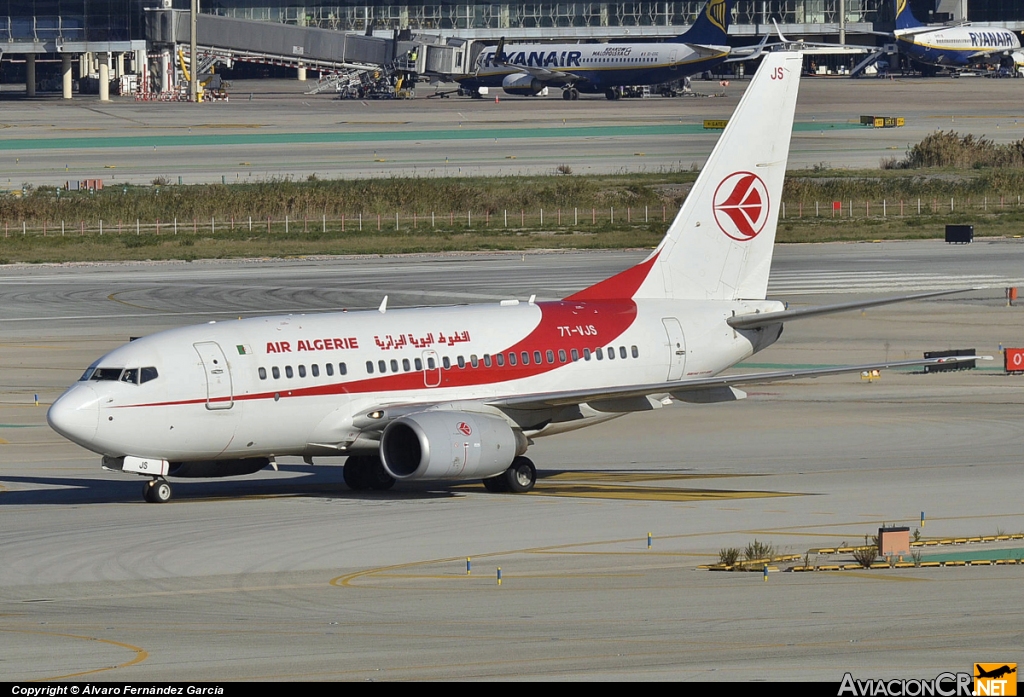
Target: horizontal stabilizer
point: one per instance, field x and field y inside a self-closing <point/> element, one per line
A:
<point x="764" y="319"/>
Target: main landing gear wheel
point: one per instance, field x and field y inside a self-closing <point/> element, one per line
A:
<point x="612" y="93"/>
<point x="570" y="93"/>
<point x="157" y="491"/>
<point x="520" y="476"/>
<point x="366" y="472"/>
<point x="496" y="485"/>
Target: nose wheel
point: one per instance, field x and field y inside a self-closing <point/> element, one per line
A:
<point x="157" y="491"/>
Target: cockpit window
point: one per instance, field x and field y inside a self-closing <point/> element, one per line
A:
<point x="135" y="376"/>
<point x="106" y="374"/>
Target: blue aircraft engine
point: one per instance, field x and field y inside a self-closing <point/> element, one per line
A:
<point x="522" y="83"/>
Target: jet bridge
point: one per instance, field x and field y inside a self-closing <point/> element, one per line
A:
<point x="299" y="47"/>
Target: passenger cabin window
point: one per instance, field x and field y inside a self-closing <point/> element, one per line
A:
<point x="622" y="352"/>
<point x="511" y="357"/>
<point x="636" y="352"/>
<point x="536" y="357"/>
<point x="611" y="353"/>
<point x="315" y="369"/>
<point x="406" y="365"/>
<point x="473" y="361"/>
<point x="276" y="372"/>
<point x="575" y="355"/>
<point x="302" y="371"/>
<point x="342" y="369"/>
<point x="447" y="363"/>
<point x="550" y="356"/>
<point x="487" y="360"/>
<point x="561" y="355"/>
<point x="586" y="354"/>
<point x="394" y="365"/>
<point x="461" y="362"/>
<point x="369" y="367"/>
<point x="600" y="354"/>
<point x="288" y="372"/>
<point x="263" y="373"/>
<point x="382" y="366"/>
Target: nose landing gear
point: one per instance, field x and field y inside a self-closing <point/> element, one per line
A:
<point x="157" y="491"/>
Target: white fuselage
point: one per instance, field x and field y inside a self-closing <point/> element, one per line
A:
<point x="956" y="46"/>
<point x="297" y="384"/>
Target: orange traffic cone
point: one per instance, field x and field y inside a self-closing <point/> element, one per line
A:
<point x="496" y="100"/>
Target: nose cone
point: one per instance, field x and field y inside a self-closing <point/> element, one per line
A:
<point x="76" y="414"/>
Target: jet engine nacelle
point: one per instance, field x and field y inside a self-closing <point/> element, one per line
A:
<point x="449" y="445"/>
<point x="522" y="83"/>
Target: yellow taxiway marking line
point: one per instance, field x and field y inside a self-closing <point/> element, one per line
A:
<point x="644" y="493"/>
<point x="633" y="477"/>
<point x="140" y="653"/>
<point x="113" y="298"/>
<point x="490" y="578"/>
<point x="878" y="577"/>
<point x="4" y="442"/>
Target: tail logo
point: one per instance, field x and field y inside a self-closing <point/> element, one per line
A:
<point x="716" y="13"/>
<point x="900" y="6"/>
<point x="741" y="205"/>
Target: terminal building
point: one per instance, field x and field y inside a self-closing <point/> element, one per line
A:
<point x="53" y="44"/>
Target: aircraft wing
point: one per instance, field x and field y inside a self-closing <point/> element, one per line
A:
<point x="552" y="77"/>
<point x="763" y="319"/>
<point x="711" y="389"/>
<point x="748" y="53"/>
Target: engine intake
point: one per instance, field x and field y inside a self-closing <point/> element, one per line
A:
<point x="449" y="445"/>
<point x="523" y="84"/>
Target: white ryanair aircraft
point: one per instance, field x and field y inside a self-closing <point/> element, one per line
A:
<point x="454" y="393"/>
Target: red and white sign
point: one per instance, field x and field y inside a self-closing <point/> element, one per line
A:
<point x="1013" y="360"/>
<point x="464" y="428"/>
<point x="741" y="205"/>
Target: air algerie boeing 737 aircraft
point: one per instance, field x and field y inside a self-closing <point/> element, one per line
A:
<point x="526" y="69"/>
<point x="454" y="393"/>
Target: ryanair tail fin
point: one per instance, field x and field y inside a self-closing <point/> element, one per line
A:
<point x="720" y="245"/>
<point x="905" y="18"/>
<point x="712" y="25"/>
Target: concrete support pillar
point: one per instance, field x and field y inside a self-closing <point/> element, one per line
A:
<point x="65" y="73"/>
<point x="104" y="77"/>
<point x="166" y="70"/>
<point x="30" y="74"/>
<point x="302" y="73"/>
<point x="119" y="71"/>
